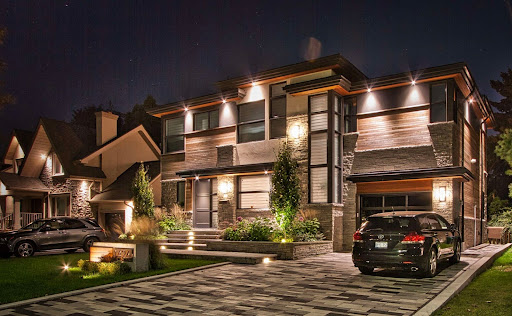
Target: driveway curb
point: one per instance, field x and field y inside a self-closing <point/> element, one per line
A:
<point x="460" y="282"/>
<point x="107" y="286"/>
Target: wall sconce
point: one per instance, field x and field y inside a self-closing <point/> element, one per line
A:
<point x="473" y="160"/>
<point x="225" y="189"/>
<point x="442" y="194"/>
<point x="296" y="131"/>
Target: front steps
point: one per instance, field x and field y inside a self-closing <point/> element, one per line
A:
<point x="191" y="244"/>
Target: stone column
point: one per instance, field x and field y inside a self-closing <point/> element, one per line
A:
<point x="226" y="192"/>
<point x="17" y="214"/>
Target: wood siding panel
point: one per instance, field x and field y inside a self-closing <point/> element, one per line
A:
<point x="406" y="128"/>
<point x="421" y="185"/>
<point x="201" y="150"/>
<point x="472" y="188"/>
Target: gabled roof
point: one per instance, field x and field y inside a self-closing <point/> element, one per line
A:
<point x="120" y="190"/>
<point x="137" y="130"/>
<point x="21" y="137"/>
<point x="60" y="137"/>
<point x="13" y="181"/>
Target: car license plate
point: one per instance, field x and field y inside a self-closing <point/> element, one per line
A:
<point x="381" y="245"/>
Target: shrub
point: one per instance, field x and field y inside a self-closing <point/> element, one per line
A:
<point x="104" y="268"/>
<point x="305" y="230"/>
<point x="504" y="219"/>
<point x="143" y="202"/>
<point x="170" y="223"/>
<point x="260" y="229"/>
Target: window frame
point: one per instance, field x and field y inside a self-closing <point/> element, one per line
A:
<point x="350" y="115"/>
<point x="445" y="83"/>
<point x="338" y="163"/>
<point x="246" y="123"/>
<point x="383" y="208"/>
<point x="178" y="191"/>
<point x="165" y="136"/>
<point x="277" y="118"/>
<point x="209" y="120"/>
<point x="55" y="161"/>
<point x="54" y="210"/>
<point x="239" y="191"/>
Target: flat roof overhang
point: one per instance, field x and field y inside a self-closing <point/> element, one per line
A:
<point x="231" y="170"/>
<point x="444" y="172"/>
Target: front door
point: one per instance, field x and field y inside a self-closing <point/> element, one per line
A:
<point x="203" y="203"/>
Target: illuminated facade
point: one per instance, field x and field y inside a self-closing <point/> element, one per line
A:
<point x="410" y="141"/>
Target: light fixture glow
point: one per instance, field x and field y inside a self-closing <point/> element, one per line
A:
<point x="266" y="171"/>
<point x="283" y="240"/>
<point x="191" y="233"/>
<point x="473" y="160"/>
<point x="43" y="156"/>
<point x="66" y="267"/>
<point x="266" y="260"/>
<point x="197" y="177"/>
<point x="162" y="247"/>
<point x="413" y="82"/>
<point x="186" y="109"/>
<point x="254" y="84"/>
<point x="369" y="90"/>
<point x="190" y="237"/>
<point x="296" y="131"/>
<point x="470" y="100"/>
<point x="224" y="101"/>
<point x="191" y="242"/>
<point x="190" y="248"/>
<point x="442" y="194"/>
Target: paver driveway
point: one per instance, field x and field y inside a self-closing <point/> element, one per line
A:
<point x="322" y="285"/>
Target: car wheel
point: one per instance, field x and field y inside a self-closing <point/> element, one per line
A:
<point x="366" y="270"/>
<point x="24" y="249"/>
<point x="88" y="243"/>
<point x="70" y="250"/>
<point x="456" y="253"/>
<point x="431" y="264"/>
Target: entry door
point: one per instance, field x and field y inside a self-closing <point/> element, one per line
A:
<point x="203" y="203"/>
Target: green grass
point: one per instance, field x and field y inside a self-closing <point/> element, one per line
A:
<point x="24" y="278"/>
<point x="489" y="294"/>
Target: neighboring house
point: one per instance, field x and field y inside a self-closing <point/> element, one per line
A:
<point x="410" y="141"/>
<point x="62" y="167"/>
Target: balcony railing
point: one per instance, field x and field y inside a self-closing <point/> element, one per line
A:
<point x="7" y="222"/>
<point x="27" y="218"/>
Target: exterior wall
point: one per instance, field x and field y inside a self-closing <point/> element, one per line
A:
<point x="227" y="212"/>
<point x="201" y="147"/>
<point x="349" y="190"/>
<point x="156" y="186"/>
<point x="78" y="190"/>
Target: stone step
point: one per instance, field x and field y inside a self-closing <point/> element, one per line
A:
<point x="191" y="237"/>
<point x="169" y="245"/>
<point x="196" y="232"/>
<point x="235" y="257"/>
<point x="195" y="240"/>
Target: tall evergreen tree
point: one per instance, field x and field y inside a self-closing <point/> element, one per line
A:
<point x="138" y="115"/>
<point x="143" y="203"/>
<point x="504" y="106"/>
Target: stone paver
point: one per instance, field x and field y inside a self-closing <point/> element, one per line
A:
<point x="322" y="285"/>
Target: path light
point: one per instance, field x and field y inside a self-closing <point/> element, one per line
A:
<point x="283" y="240"/>
<point x="191" y="233"/>
<point x="162" y="247"/>
<point x="190" y="248"/>
<point x="266" y="260"/>
<point x="191" y="242"/>
<point x="66" y="267"/>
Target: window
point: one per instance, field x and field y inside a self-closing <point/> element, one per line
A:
<point x="180" y="193"/>
<point x="73" y="224"/>
<point x="277" y="110"/>
<point x="57" y="166"/>
<point x="206" y="120"/>
<point x="251" y="121"/>
<point x="253" y="192"/>
<point x="438" y="102"/>
<point x="337" y="149"/>
<point x="318" y="146"/>
<point x="350" y="118"/>
<point x="174" y="138"/>
<point x="373" y="204"/>
<point x="60" y="205"/>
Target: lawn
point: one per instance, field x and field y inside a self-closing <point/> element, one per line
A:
<point x="489" y="294"/>
<point x="24" y="278"/>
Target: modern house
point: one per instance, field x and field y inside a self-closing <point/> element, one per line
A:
<point x="59" y="168"/>
<point x="409" y="141"/>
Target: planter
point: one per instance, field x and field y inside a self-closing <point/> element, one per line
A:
<point x="135" y="254"/>
<point x="284" y="251"/>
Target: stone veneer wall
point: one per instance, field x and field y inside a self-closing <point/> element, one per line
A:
<point x="445" y="141"/>
<point x="78" y="189"/>
<point x="349" y="190"/>
<point x="226" y="213"/>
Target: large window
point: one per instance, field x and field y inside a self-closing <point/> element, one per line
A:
<point x="277" y="110"/>
<point x="253" y="192"/>
<point x="318" y="141"/>
<point x="180" y="193"/>
<point x="174" y="138"/>
<point x="206" y="120"/>
<point x="56" y="166"/>
<point x="337" y="148"/>
<point x="373" y="204"/>
<point x="251" y="121"/>
<point x="350" y="115"/>
<point x="438" y="102"/>
<point x="60" y="205"/>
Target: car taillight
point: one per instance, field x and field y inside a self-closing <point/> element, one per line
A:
<point x="413" y="238"/>
<point x="357" y="237"/>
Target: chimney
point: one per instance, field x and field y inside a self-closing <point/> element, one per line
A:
<point x="106" y="127"/>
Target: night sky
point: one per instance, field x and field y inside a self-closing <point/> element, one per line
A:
<point x="62" y="55"/>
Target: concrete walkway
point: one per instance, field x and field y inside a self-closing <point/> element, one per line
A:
<point x="322" y="285"/>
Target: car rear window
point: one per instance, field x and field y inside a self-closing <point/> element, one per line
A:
<point x="390" y="224"/>
<point x="92" y="222"/>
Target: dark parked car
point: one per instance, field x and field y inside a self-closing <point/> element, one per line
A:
<point x="413" y="241"/>
<point x="54" y="233"/>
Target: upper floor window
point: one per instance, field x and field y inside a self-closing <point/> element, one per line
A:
<point x="318" y="147"/>
<point x="17" y="165"/>
<point x="174" y="138"/>
<point x="438" y="102"/>
<point x="251" y="121"/>
<point x="350" y="117"/>
<point x="277" y="110"/>
<point x="206" y="120"/>
<point x="57" y="166"/>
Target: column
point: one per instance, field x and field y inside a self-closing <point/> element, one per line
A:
<point x="17" y="214"/>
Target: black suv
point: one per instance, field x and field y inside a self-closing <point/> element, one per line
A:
<point x="54" y="233"/>
<point x="413" y="241"/>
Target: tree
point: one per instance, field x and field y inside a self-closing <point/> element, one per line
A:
<point x="5" y="98"/>
<point x="285" y="193"/>
<point x="504" y="151"/>
<point x="143" y="203"/>
<point x="85" y="116"/>
<point x="504" y="106"/>
<point x="138" y="116"/>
